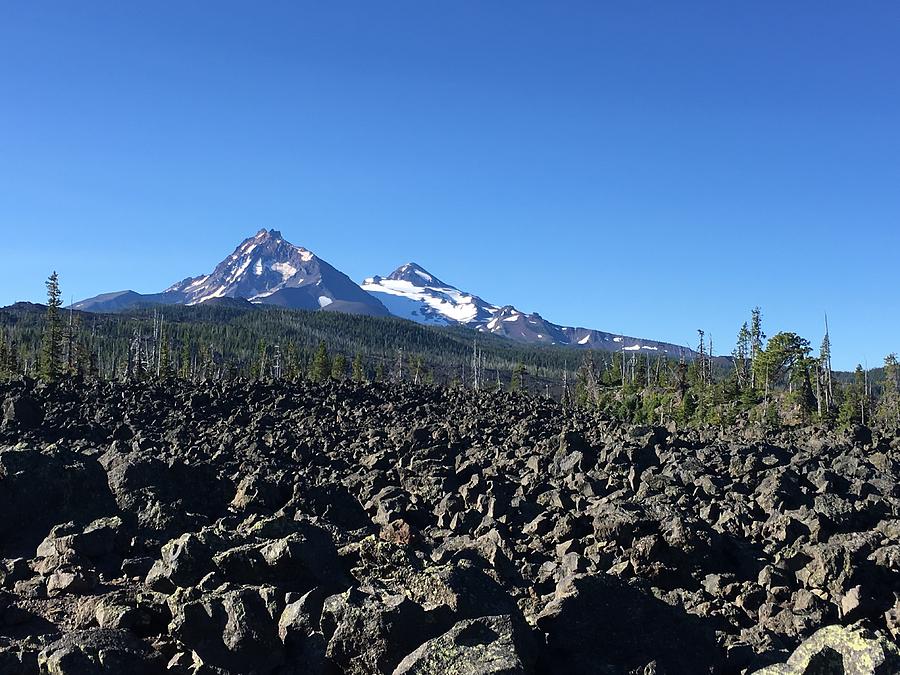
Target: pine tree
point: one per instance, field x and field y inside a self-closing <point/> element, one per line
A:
<point x="825" y="382"/>
<point x="13" y="367"/>
<point x="163" y="366"/>
<point x="185" y="371"/>
<point x="852" y="406"/>
<point x="50" y="366"/>
<point x="320" y="367"/>
<point x="291" y="361"/>
<point x="515" y="382"/>
<point x="4" y="359"/>
<point x="259" y="367"/>
<point x="358" y="370"/>
<point x="889" y="405"/>
<point x="339" y="367"/>
<point x="756" y="343"/>
<point x="740" y="354"/>
<point x="782" y="354"/>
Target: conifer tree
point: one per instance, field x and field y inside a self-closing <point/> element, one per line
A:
<point x="185" y="371"/>
<point x="291" y="361"/>
<point x="259" y="367"/>
<point x="319" y="369"/>
<point x="852" y="406"/>
<point x="4" y="358"/>
<point x="163" y="365"/>
<point x="889" y="406"/>
<point x="826" y="386"/>
<point x="515" y="382"/>
<point x="339" y="367"/>
<point x="358" y="370"/>
<point x="782" y="354"/>
<point x="756" y="343"/>
<point x="13" y="367"/>
<point x="740" y="354"/>
<point x="50" y="366"/>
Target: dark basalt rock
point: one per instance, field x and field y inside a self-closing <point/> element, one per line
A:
<point x="599" y="623"/>
<point x="21" y="413"/>
<point x="99" y="651"/>
<point x="490" y="645"/>
<point x="286" y="528"/>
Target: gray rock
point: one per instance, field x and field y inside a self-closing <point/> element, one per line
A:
<point x="491" y="645"/>
<point x="97" y="651"/>
<point x="839" y="649"/>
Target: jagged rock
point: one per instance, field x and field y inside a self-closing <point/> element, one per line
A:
<point x="491" y="645"/>
<point x="839" y="649"/>
<point x="234" y="628"/>
<point x="370" y="632"/>
<point x="71" y="580"/>
<point x="13" y="570"/>
<point x="596" y="622"/>
<point x="183" y="562"/>
<point x="39" y="489"/>
<point x="299" y="631"/>
<point x="99" y="538"/>
<point x="21" y="412"/>
<point x="99" y="651"/>
<point x="214" y="519"/>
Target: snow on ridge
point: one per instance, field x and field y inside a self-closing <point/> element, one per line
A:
<point x="218" y="293"/>
<point x="198" y="281"/>
<point x="285" y="269"/>
<point x="324" y="301"/>
<point x="240" y="270"/>
<point x="449" y="302"/>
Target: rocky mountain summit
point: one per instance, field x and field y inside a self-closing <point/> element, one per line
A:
<point x="263" y="269"/>
<point x="340" y="528"/>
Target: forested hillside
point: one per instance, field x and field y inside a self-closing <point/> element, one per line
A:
<point x="772" y="382"/>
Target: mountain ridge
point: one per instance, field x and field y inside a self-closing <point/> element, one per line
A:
<point x="415" y="293"/>
<point x="267" y="269"/>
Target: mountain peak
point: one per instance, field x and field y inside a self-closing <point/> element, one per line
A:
<point x="268" y="269"/>
<point x="416" y="275"/>
<point x="265" y="234"/>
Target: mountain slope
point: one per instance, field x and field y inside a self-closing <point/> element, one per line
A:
<point x="263" y="269"/>
<point x="413" y="293"/>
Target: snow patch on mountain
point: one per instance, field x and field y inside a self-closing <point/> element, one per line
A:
<point x="411" y="292"/>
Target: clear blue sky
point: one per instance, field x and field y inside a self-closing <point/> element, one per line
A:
<point x="646" y="168"/>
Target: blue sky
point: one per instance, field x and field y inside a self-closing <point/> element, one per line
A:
<point x="646" y="168"/>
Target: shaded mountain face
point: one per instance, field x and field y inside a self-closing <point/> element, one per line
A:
<point x="264" y="269"/>
<point x="412" y="292"/>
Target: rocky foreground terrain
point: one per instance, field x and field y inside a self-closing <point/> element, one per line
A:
<point x="337" y="528"/>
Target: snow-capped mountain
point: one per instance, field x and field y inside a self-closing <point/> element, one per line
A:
<point x="413" y="293"/>
<point x="264" y="269"/>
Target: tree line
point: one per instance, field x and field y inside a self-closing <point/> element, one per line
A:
<point x="770" y="381"/>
